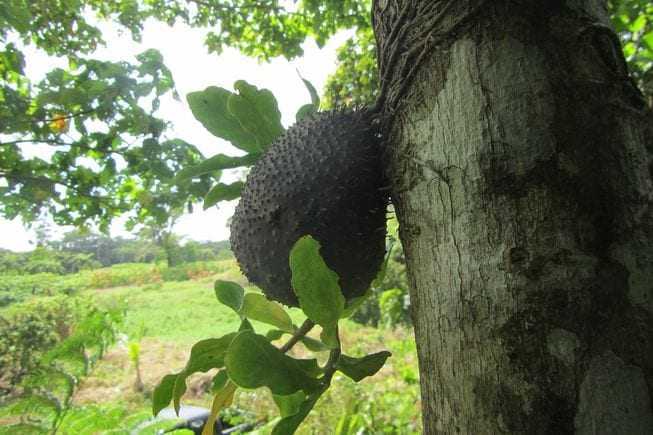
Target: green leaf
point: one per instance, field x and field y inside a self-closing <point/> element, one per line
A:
<point x="288" y="425"/>
<point x="314" y="345"/>
<point x="329" y="336"/>
<point x="290" y="404"/>
<point x="257" y="112"/>
<point x="360" y="368"/>
<point x="315" y="98"/>
<point x="274" y="334"/>
<point x="252" y="362"/>
<point x="222" y="192"/>
<point x="315" y="284"/>
<point x="305" y="111"/>
<point x="210" y="108"/>
<point x="258" y="307"/>
<point x="214" y="164"/>
<point x="204" y="356"/>
<point x="208" y="354"/>
<point x="219" y="381"/>
<point x="310" y="367"/>
<point x="245" y="325"/>
<point x="230" y="294"/>
<point x="221" y="400"/>
<point x="162" y="394"/>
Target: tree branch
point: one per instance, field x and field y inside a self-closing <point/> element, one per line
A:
<point x="44" y="141"/>
<point x="23" y="178"/>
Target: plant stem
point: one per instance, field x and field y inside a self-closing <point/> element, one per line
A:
<point x="298" y="335"/>
<point x="330" y="366"/>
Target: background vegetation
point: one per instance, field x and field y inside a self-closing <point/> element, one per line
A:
<point x="89" y="324"/>
<point x="161" y="312"/>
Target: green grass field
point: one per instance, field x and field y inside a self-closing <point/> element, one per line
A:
<point x="166" y="318"/>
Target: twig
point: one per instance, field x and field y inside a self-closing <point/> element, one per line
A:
<point x="44" y="141"/>
<point x="330" y="366"/>
<point x="298" y="335"/>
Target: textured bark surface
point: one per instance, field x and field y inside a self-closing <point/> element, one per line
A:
<point x="521" y="165"/>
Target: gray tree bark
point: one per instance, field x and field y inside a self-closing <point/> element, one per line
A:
<point x="520" y="157"/>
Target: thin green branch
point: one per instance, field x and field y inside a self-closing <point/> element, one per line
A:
<point x="332" y="362"/>
<point x="298" y="335"/>
<point x="23" y="178"/>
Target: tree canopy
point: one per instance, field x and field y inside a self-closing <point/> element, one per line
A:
<point x="86" y="144"/>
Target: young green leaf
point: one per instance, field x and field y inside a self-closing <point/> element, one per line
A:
<point x="230" y="294"/>
<point x="222" y="192"/>
<point x="314" y="345"/>
<point x="208" y="354"/>
<point x="257" y="112"/>
<point x="289" y="424"/>
<point x="290" y="404"/>
<point x="329" y="336"/>
<point x="258" y="307"/>
<point x="222" y="399"/>
<point x="360" y="368"/>
<point x="310" y="367"/>
<point x="252" y="362"/>
<point x="315" y="284"/>
<point x="315" y="97"/>
<point x="210" y="108"/>
<point x="204" y="356"/>
<point x="219" y="381"/>
<point x="162" y="394"/>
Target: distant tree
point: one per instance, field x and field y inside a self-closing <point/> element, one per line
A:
<point x="105" y="249"/>
<point x="42" y="231"/>
<point x="162" y="235"/>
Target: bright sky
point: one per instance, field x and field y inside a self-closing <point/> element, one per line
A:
<point x="194" y="69"/>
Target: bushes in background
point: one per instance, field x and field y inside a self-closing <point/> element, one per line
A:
<point x="45" y="348"/>
<point x="43" y="260"/>
<point x="79" y="251"/>
<point x="18" y="288"/>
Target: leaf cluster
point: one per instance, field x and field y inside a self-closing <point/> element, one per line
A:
<point x="100" y="152"/>
<point x="246" y="359"/>
<point x="249" y="119"/>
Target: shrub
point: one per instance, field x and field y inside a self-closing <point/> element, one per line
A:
<point x="45" y="347"/>
<point x="125" y="274"/>
<point x="18" y="288"/>
<point x="32" y="330"/>
<point x="44" y="260"/>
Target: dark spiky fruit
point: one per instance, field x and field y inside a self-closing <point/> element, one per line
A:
<point x="323" y="177"/>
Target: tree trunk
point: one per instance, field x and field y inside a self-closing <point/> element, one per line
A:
<point x="520" y="159"/>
